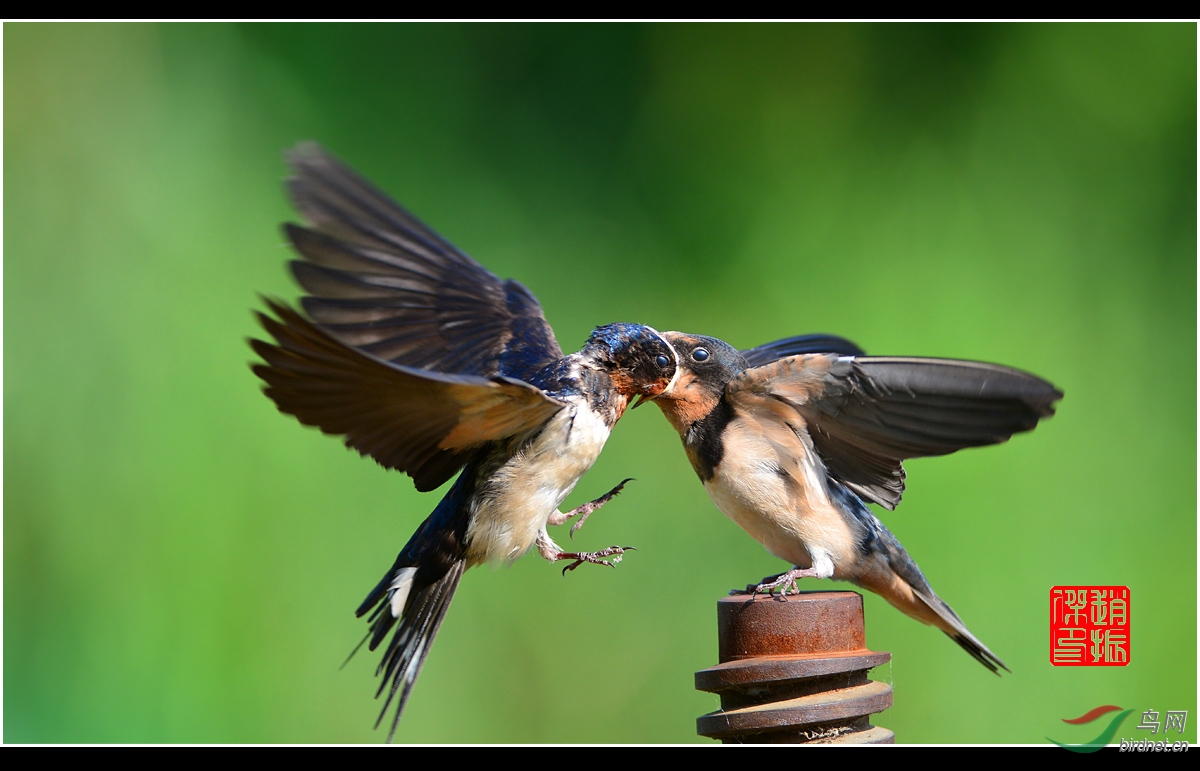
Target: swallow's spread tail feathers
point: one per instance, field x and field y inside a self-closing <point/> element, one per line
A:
<point x="415" y="594"/>
<point x="418" y="626"/>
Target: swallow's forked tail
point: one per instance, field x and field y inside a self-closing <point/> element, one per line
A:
<point x="961" y="635"/>
<point x="419" y="612"/>
<point x="924" y="605"/>
<point x="909" y="592"/>
<point x="912" y="595"/>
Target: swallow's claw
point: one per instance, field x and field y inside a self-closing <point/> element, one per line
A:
<point x="610" y="556"/>
<point x="782" y="582"/>
<point x="584" y="511"/>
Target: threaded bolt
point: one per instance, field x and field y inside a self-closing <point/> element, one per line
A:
<point x="794" y="671"/>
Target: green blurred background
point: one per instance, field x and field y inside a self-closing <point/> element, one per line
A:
<point x="181" y="561"/>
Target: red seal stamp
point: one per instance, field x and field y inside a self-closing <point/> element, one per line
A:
<point x="1089" y="626"/>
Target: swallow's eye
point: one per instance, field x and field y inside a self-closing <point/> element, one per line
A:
<point x="700" y="354"/>
<point x="661" y="361"/>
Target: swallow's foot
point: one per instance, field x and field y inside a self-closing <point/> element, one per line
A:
<point x="584" y="511"/>
<point x="610" y="556"/>
<point x="782" y="582"/>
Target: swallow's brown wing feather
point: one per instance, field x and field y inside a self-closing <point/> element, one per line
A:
<point x="383" y="281"/>
<point x="865" y="415"/>
<point x="426" y="424"/>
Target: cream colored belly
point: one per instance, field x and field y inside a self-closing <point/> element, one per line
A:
<point x="530" y="486"/>
<point x="793" y="518"/>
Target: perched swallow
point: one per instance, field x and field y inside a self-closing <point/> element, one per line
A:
<point x="424" y="360"/>
<point x="791" y="439"/>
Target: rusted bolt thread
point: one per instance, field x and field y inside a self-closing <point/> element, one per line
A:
<point x="794" y="670"/>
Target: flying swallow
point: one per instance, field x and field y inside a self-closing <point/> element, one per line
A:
<point x="422" y="359"/>
<point x="792" y="438"/>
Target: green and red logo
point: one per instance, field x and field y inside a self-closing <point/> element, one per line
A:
<point x="1105" y="736"/>
<point x="1174" y="720"/>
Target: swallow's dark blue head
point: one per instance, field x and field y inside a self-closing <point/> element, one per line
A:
<point x="639" y="360"/>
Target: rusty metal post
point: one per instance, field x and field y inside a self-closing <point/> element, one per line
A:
<point x="794" y="671"/>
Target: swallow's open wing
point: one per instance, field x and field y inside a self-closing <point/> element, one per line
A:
<point x="382" y="281"/>
<point x="794" y="346"/>
<point x="866" y="415"/>
<point x="426" y="424"/>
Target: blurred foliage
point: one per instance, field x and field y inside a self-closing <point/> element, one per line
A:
<point x="181" y="562"/>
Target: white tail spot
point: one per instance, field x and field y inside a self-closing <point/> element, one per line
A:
<point x="400" y="586"/>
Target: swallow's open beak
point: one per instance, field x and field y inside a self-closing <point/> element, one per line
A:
<point x="653" y="392"/>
